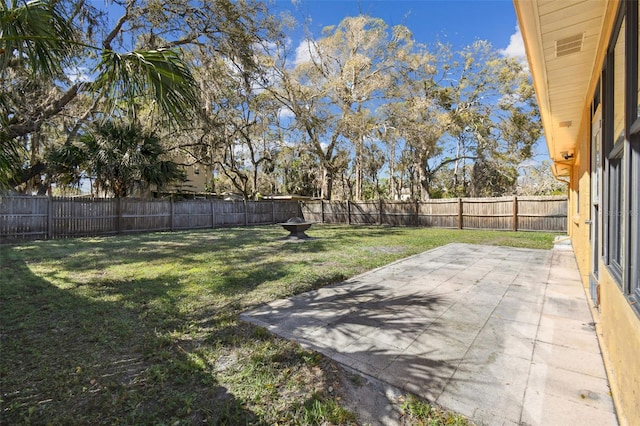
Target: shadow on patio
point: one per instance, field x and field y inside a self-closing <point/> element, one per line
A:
<point x="500" y="335"/>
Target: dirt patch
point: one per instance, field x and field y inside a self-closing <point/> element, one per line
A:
<point x="374" y="402"/>
<point x="387" y="249"/>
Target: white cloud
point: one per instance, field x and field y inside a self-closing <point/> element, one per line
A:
<point x="305" y="50"/>
<point x="285" y="113"/>
<point x="515" y="48"/>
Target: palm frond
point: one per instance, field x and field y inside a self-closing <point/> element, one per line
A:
<point x="158" y="75"/>
<point x="12" y="155"/>
<point x="35" y="31"/>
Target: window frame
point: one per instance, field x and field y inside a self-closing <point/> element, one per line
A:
<point x="633" y="151"/>
<point x="614" y="159"/>
<point x="621" y="159"/>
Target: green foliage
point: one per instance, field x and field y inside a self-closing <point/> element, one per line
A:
<point x="34" y="36"/>
<point x="44" y="39"/>
<point x="318" y="411"/>
<point x="217" y="82"/>
<point x="36" y="31"/>
<point x="11" y="157"/>
<point x="120" y="156"/>
<point x="299" y="172"/>
<point x="418" y="412"/>
<point x="492" y="178"/>
<point x="414" y="407"/>
<point x="160" y="75"/>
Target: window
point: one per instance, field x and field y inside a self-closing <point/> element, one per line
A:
<point x="635" y="62"/>
<point x="615" y="137"/>
<point x="634" y="164"/>
<point x="634" y="216"/>
<point x="615" y="216"/>
<point x="621" y="146"/>
<point x="618" y="86"/>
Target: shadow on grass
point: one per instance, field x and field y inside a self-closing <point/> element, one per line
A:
<point x="81" y="347"/>
<point x="69" y="359"/>
<point x="245" y="245"/>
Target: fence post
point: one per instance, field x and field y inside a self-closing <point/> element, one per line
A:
<point x="246" y="213"/>
<point x="460" y="224"/>
<point x="322" y="210"/>
<point x="417" y="216"/>
<point x="515" y="213"/>
<point x="213" y="215"/>
<point x="379" y="211"/>
<point x="273" y="212"/>
<point x="118" y="215"/>
<point x="171" y="215"/>
<point x="348" y="212"/>
<point x="49" y="217"/>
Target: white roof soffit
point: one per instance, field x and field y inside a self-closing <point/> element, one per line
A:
<point x="561" y="39"/>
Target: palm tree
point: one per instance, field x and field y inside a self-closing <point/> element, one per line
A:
<point x="39" y="36"/>
<point x="119" y="157"/>
<point x="122" y="157"/>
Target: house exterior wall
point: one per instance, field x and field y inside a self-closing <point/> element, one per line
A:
<point x="198" y="179"/>
<point x="620" y="341"/>
<point x="580" y="200"/>
<point x="618" y="313"/>
<point x="619" y="322"/>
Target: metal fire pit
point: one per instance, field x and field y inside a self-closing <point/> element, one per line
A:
<point x="296" y="227"/>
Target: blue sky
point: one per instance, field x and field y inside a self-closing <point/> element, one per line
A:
<point x="459" y="22"/>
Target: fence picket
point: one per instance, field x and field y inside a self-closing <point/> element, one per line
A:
<point x="34" y="217"/>
<point x="503" y="213"/>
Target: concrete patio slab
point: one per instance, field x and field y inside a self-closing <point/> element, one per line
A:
<point x="501" y="335"/>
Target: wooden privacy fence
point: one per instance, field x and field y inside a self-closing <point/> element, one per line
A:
<point x="28" y="217"/>
<point x="504" y="213"/>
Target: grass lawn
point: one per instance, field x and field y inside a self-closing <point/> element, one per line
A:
<point x="144" y="329"/>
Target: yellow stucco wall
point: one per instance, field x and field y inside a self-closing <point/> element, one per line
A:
<point x="618" y="325"/>
<point x="580" y="201"/>
<point x="620" y="333"/>
<point x="198" y="177"/>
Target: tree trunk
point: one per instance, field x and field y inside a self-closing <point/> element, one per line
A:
<point x="392" y="171"/>
<point x="456" y="165"/>
<point x="255" y="182"/>
<point x="424" y="178"/>
<point x="327" y="183"/>
<point x="424" y="189"/>
<point x="358" y="170"/>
